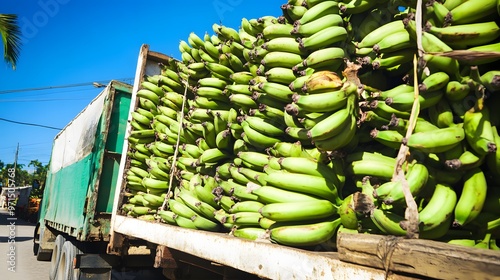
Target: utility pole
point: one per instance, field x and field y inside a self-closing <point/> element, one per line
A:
<point x="15" y="162"/>
<point x="15" y="158"/>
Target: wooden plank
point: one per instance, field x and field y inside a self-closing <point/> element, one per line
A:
<point x="419" y="257"/>
<point x="263" y="259"/>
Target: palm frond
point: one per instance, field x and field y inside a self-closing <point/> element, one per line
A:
<point x="11" y="37"/>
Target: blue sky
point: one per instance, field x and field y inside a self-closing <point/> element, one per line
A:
<point x="72" y="42"/>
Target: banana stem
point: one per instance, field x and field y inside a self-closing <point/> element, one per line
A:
<point x="411" y="213"/>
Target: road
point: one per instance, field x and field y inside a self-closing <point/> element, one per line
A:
<point x="16" y="247"/>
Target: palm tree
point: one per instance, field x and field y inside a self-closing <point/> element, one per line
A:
<point x="11" y="38"/>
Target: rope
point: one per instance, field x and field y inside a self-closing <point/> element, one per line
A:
<point x="176" y="152"/>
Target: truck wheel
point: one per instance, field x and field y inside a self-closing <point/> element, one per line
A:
<point x="56" y="256"/>
<point x="66" y="270"/>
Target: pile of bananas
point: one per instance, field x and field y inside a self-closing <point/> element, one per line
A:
<point x="288" y="128"/>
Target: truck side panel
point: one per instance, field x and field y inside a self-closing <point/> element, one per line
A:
<point x="81" y="161"/>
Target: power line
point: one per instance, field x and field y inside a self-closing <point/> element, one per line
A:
<point x="32" y="124"/>
<point x="59" y="86"/>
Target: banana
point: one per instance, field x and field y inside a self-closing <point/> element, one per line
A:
<point x="392" y="192"/>
<point x="436" y="141"/>
<point x="323" y="38"/>
<point x="439" y="208"/>
<point x="478" y="129"/>
<point x="219" y="69"/>
<point x="242" y="77"/>
<point x="243" y="101"/>
<point x="297" y="133"/>
<point x="276" y="90"/>
<point x="148" y="94"/>
<point x="179" y="208"/>
<point x="467" y="160"/>
<point x="319" y="10"/>
<point x="286" y="44"/>
<point x="155" y="184"/>
<point x="330" y="58"/>
<point x="304" y="183"/>
<point x="441" y="114"/>
<point x="298" y="211"/>
<point x="374" y="36"/>
<point x="370" y="167"/>
<point x="356" y="7"/>
<point x="148" y="105"/>
<point x="251" y="233"/>
<point x="237" y="190"/>
<point x="304" y="166"/>
<point x="387" y="60"/>
<point x="491" y="80"/>
<point x="212" y="82"/>
<point x="388" y="222"/>
<point x="304" y="234"/>
<point x="393" y="42"/>
<point x="285" y="149"/>
<point x="213" y="155"/>
<point x="252" y="158"/>
<point x="348" y="215"/>
<point x="212" y="93"/>
<point x="268" y="127"/>
<point x="467" y="35"/>
<point x="238" y="89"/>
<point x="277" y="30"/>
<point x="244" y="219"/>
<point x="456" y="91"/>
<point x="472" y="198"/>
<point x="313" y="27"/>
<point x="435" y="81"/>
<point x="257" y="177"/>
<point x="167" y="111"/>
<point x="246" y="206"/>
<point x="205" y="103"/>
<point x="280" y="75"/>
<point x="281" y="59"/>
<point x="293" y="12"/>
<point x="152" y="87"/>
<point x="472" y="11"/>
<point x="142" y="210"/>
<point x="404" y="101"/>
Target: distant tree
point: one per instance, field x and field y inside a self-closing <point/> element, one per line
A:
<point x="40" y="172"/>
<point x="11" y="38"/>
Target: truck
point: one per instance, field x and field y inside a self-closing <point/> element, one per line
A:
<point x="84" y="235"/>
